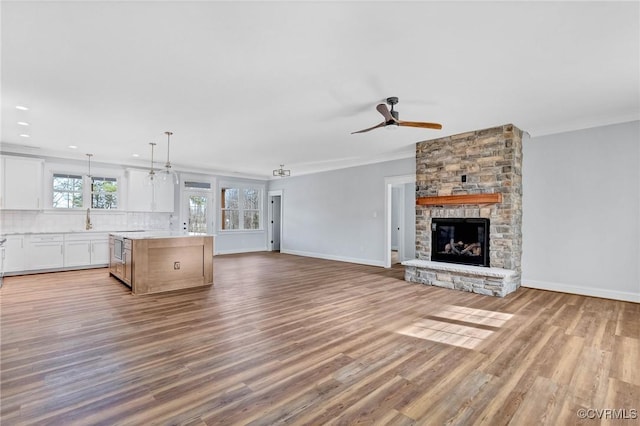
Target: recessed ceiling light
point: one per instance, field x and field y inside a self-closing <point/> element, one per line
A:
<point x="23" y="123"/>
<point x="22" y="108"/>
<point x="73" y="147"/>
<point x="136" y="155"/>
<point x="24" y="135"/>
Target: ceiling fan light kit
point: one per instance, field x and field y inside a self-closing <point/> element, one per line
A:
<point x="282" y="172"/>
<point x="392" y="118"/>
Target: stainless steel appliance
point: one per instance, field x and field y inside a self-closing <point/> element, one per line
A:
<point x="118" y="248"/>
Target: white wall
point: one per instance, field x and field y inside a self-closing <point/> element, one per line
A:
<point x="581" y="210"/>
<point x="339" y="214"/>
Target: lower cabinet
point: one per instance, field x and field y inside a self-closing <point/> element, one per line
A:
<point x="100" y="251"/>
<point x="86" y="250"/>
<point x="24" y="253"/>
<point x="45" y="251"/>
<point x="77" y="253"/>
<point x="13" y="254"/>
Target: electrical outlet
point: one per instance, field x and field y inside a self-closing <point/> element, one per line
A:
<point x="176" y="265"/>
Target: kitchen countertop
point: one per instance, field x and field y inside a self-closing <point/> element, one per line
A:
<point x="91" y="231"/>
<point x="144" y="235"/>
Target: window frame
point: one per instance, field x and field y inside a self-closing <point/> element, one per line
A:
<point x="87" y="192"/>
<point x="93" y="192"/>
<point x="241" y="187"/>
<point x="54" y="191"/>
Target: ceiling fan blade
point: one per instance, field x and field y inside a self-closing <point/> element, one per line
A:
<point x="382" y="109"/>
<point x="370" y="128"/>
<point x="420" y="124"/>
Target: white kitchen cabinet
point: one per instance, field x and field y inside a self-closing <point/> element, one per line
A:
<point x="14" y="253"/>
<point x="164" y="197"/>
<point x="22" y="183"/>
<point x="86" y="249"/>
<point x="45" y="251"/>
<point x="77" y="253"/>
<point x="100" y="251"/>
<point x="143" y="197"/>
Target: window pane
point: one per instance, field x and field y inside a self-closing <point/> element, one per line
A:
<point x="230" y="197"/>
<point x="60" y="184"/>
<point x="251" y="219"/>
<point x="197" y="214"/>
<point x="230" y="219"/>
<point x="76" y="183"/>
<point x="61" y="200"/>
<point x="105" y="193"/>
<point x="199" y="185"/>
<point x="67" y="191"/>
<point x="104" y="201"/>
<point x="251" y="199"/>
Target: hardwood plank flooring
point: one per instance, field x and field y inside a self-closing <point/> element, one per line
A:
<point x="281" y="339"/>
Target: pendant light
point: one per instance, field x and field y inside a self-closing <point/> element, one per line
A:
<point x="89" y="173"/>
<point x="169" y="176"/>
<point x="151" y="176"/>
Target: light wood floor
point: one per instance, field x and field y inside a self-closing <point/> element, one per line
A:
<point x="293" y="340"/>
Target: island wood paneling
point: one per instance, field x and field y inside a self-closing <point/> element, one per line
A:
<point x="155" y="259"/>
<point x="281" y="339"/>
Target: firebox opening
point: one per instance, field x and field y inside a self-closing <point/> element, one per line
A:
<point x="464" y="241"/>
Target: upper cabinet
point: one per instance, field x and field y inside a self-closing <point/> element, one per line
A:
<point x="143" y="197"/>
<point x="21" y="183"/>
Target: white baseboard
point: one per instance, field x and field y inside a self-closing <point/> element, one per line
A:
<point x="584" y="291"/>
<point x="244" y="250"/>
<point x="368" y="262"/>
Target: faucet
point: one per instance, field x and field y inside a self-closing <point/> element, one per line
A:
<point x="87" y="222"/>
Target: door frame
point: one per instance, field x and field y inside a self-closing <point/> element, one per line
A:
<point x="389" y="182"/>
<point x="400" y="223"/>
<point x="270" y="195"/>
<point x="183" y="208"/>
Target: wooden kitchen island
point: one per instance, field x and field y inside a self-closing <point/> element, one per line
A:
<point x="153" y="262"/>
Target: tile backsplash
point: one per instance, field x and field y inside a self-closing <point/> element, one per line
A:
<point x="14" y="221"/>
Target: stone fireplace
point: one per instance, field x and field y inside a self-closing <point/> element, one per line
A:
<point x="474" y="177"/>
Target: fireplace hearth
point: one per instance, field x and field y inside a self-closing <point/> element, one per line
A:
<point x="464" y="241"/>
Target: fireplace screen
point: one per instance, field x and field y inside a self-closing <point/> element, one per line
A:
<point x="463" y="241"/>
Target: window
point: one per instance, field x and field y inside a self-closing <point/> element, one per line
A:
<point x="70" y="192"/>
<point x="104" y="193"/>
<point x="241" y="208"/>
<point x="67" y="191"/>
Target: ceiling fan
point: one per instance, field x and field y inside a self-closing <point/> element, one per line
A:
<point x="391" y="118"/>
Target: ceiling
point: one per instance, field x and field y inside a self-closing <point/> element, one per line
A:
<point x="247" y="86"/>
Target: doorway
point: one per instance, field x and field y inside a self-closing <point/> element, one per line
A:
<point x="197" y="208"/>
<point x="400" y="217"/>
<point x="397" y="223"/>
<point x="275" y="221"/>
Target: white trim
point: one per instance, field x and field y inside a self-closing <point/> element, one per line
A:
<point x="368" y="262"/>
<point x="389" y="181"/>
<point x="238" y="251"/>
<point x="584" y="291"/>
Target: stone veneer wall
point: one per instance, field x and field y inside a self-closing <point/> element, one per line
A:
<point x="491" y="159"/>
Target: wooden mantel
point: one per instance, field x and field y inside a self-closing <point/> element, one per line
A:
<point x="460" y="199"/>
